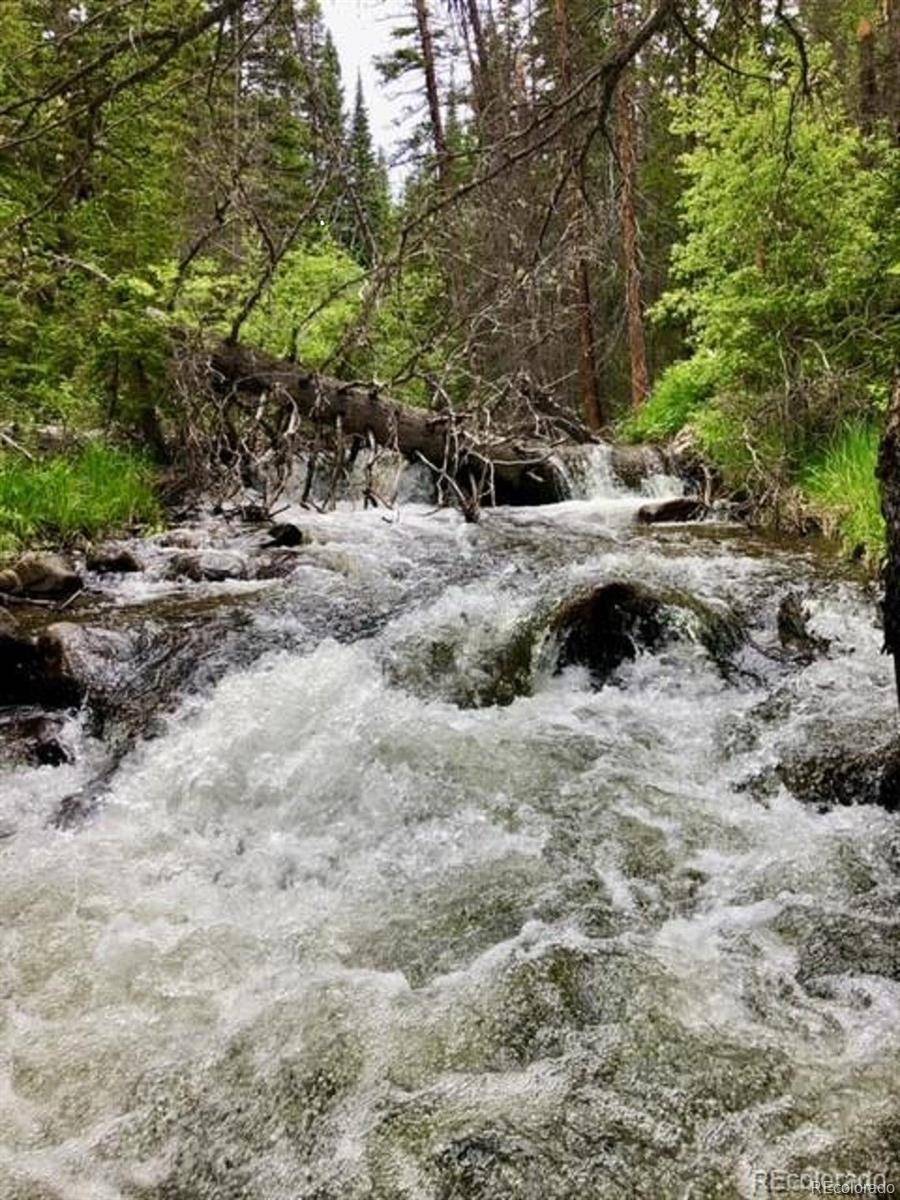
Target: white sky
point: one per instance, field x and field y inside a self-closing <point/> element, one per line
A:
<point x="362" y="29"/>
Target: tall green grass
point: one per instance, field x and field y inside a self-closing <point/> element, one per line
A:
<point x="94" y="492"/>
<point x="680" y="391"/>
<point x="842" y="488"/>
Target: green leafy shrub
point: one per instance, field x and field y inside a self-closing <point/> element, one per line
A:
<point x="681" y="390"/>
<point x="94" y="492"/>
<point x="311" y="303"/>
<point x="843" y="489"/>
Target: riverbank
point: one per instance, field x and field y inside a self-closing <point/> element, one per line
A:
<point x="829" y="486"/>
<point x="76" y="493"/>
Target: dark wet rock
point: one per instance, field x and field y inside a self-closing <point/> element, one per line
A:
<point x="286" y="534"/>
<point x="113" y="559"/>
<point x="793" y="630"/>
<point x="608" y="625"/>
<point x="633" y="464"/>
<point x="33" y="737"/>
<point x="80" y="661"/>
<point x="681" y="508"/>
<point x="214" y="566"/>
<point x="9" y="581"/>
<point x="845" y="776"/>
<point x="46" y="577"/>
<point x="22" y="676"/>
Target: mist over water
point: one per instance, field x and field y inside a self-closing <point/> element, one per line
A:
<point x="336" y="933"/>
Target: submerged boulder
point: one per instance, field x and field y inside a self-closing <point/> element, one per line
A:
<point x="793" y="630"/>
<point x="843" y="776"/>
<point x="598" y="628"/>
<point x="185" y="538"/>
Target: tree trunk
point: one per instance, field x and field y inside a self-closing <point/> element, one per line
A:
<point x="889" y="476"/>
<point x="891" y="88"/>
<point x="522" y="473"/>
<point x="626" y="149"/>
<point x="594" y="416"/>
<point x="426" y="44"/>
<point x="868" y="82"/>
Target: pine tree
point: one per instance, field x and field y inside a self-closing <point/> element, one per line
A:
<point x="369" y="198"/>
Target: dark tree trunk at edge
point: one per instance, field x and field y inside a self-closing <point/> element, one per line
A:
<point x="889" y="475"/>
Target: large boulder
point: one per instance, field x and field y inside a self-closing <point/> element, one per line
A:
<point x="80" y="662"/>
<point x="599" y="628"/>
<point x="607" y="625"/>
<point x="45" y="577"/>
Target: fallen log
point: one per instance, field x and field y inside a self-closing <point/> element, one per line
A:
<point x="490" y="468"/>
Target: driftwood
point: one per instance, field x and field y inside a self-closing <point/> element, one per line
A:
<point x="481" y="467"/>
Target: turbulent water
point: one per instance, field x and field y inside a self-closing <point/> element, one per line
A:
<point x="335" y="934"/>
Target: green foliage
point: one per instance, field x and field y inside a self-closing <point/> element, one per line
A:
<point x="784" y="275"/>
<point x="842" y="486"/>
<point x="790" y="228"/>
<point x="89" y="494"/>
<point x="309" y="307"/>
<point x="677" y="395"/>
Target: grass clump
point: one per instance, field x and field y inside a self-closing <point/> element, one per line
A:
<point x="91" y="493"/>
<point x="681" y="390"/>
<point x="843" y="489"/>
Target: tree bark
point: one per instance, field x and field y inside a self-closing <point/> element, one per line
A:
<point x="592" y="409"/>
<point x="522" y="472"/>
<point x="889" y="477"/>
<point x="868" y="80"/>
<point x="626" y="149"/>
<point x="426" y="43"/>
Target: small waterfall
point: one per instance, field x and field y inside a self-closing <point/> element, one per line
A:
<point x="592" y="474"/>
<point x="589" y="472"/>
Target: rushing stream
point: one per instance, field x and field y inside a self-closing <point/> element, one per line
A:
<point x="334" y="934"/>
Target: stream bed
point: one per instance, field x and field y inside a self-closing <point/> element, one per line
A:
<point x="337" y="932"/>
